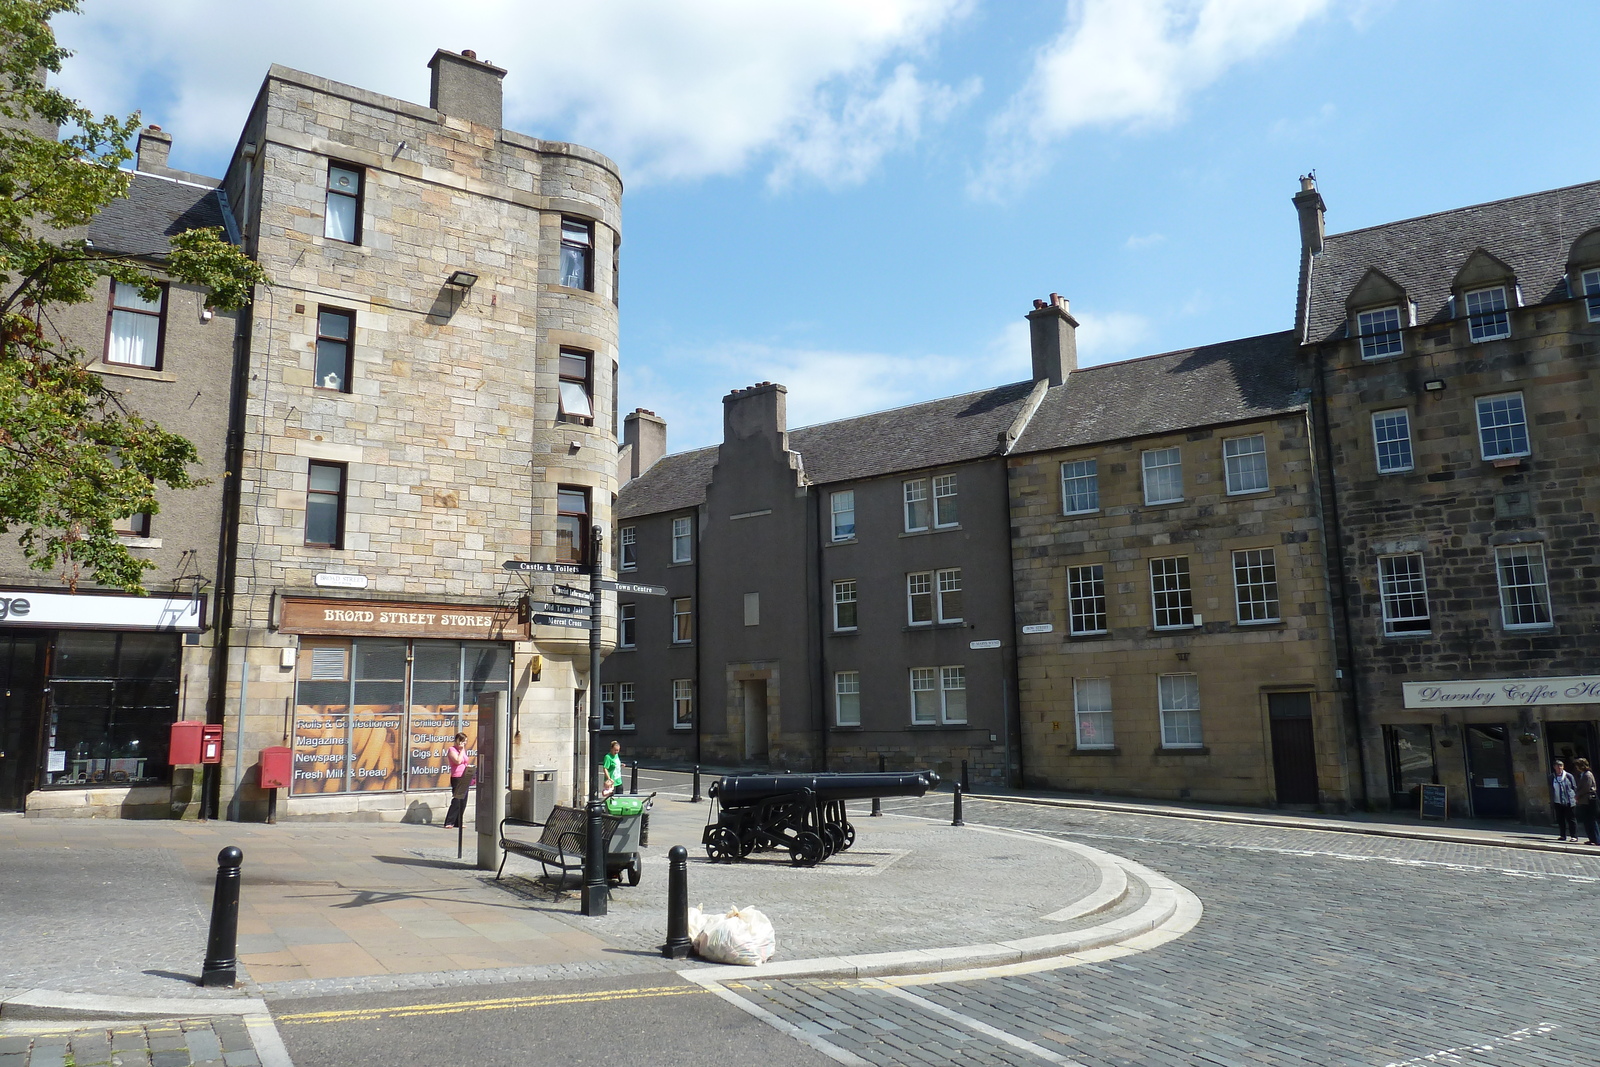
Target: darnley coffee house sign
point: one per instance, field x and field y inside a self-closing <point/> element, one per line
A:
<point x="1503" y="693"/>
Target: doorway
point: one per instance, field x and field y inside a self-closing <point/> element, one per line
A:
<point x="754" y="693"/>
<point x="1494" y="790"/>
<point x="1294" y="750"/>
<point x="21" y="690"/>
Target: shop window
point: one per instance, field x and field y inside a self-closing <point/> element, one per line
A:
<point x="1411" y="764"/>
<point x="112" y="700"/>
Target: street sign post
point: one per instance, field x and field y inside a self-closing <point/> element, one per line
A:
<point x="634" y="587"/>
<point x="561" y="620"/>
<point x="559" y="608"/>
<point x="523" y="565"/>
<point x="566" y="590"/>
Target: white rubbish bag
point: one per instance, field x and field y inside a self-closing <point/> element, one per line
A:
<point x="743" y="936"/>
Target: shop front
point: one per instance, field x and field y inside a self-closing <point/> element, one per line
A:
<point x="1491" y="741"/>
<point x="90" y="686"/>
<point x="381" y="689"/>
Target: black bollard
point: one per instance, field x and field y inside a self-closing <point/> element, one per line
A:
<point x="677" y="946"/>
<point x="877" y="803"/>
<point x="222" y="962"/>
<point x="956" y="821"/>
<point x="966" y="783"/>
<point x="696" y="798"/>
<point x="633" y="782"/>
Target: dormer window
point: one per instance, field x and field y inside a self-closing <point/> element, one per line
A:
<point x="1487" y="316"/>
<point x="1591" y="289"/>
<point x="1380" y="333"/>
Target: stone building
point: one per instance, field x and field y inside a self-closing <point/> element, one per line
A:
<point x="1174" y="622"/>
<point x="1454" y="358"/>
<point x="427" y="391"/>
<point x="835" y="593"/>
<point x="91" y="680"/>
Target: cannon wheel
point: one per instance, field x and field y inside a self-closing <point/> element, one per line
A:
<point x="833" y="838"/>
<point x="723" y="845"/>
<point x="807" y="849"/>
<point x="747" y="843"/>
<point x="635" y="870"/>
<point x="849" y="837"/>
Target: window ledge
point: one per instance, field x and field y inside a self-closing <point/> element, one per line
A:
<point x="1165" y="503"/>
<point x="940" y="726"/>
<point x="931" y="530"/>
<point x="149" y="374"/>
<point x="1092" y="635"/>
<point x="1260" y="624"/>
<point x="847" y="727"/>
<point x="1408" y="635"/>
<point x="1249" y="492"/>
<point x="844" y="633"/>
<point x="681" y="563"/>
<point x="627" y="648"/>
<point x="840" y="541"/>
<point x="1079" y="514"/>
<point x="1175" y="750"/>
<point x="1107" y="750"/>
<point x="914" y="627"/>
<point x="139" y="542"/>
<point x="1530" y="628"/>
<point x="684" y="727"/>
<point x="1512" y="462"/>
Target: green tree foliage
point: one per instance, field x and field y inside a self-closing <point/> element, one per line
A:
<point x="73" y="459"/>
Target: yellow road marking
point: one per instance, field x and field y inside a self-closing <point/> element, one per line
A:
<point x="404" y="1011"/>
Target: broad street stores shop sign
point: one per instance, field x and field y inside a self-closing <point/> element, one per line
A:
<point x="394" y="618"/>
<point x="22" y="607"/>
<point x="1503" y="692"/>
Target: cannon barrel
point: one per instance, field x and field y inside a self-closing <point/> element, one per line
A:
<point x="742" y="790"/>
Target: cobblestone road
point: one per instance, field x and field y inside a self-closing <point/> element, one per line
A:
<point x="1318" y="948"/>
<point x="221" y="1042"/>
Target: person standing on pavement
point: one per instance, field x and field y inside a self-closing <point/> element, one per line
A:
<point x="456" y="755"/>
<point x="1563" y="797"/>
<point x="1585" y="794"/>
<point x="612" y="765"/>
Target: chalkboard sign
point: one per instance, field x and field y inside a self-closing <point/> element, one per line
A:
<point x="1435" y="802"/>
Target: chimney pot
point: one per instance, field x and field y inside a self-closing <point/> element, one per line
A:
<point x="469" y="53"/>
<point x="1312" y="211"/>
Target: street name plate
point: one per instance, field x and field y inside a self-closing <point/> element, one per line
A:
<point x="543" y="568"/>
<point x="991" y="643"/>
<point x="1038" y="628"/>
<point x="561" y="620"/>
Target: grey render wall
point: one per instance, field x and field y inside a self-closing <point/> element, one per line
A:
<point x="655" y="661"/>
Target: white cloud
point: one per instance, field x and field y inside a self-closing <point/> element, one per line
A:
<point x="1137" y="241"/>
<point x="1106" y="336"/>
<point x="671" y="90"/>
<point x="1129" y="63"/>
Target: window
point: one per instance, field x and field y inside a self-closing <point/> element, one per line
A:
<point x="1524" y="587"/>
<point x="577" y="254"/>
<point x="343" y="219"/>
<point x="1255" y="585"/>
<point x="608" y="706"/>
<point x="924" y="695"/>
<point x="627" y="625"/>
<point x="1502" y="426"/>
<point x="1091" y="705"/>
<point x="1080" y="487"/>
<point x="919" y="598"/>
<point x="1410" y="758"/>
<point x="335" y="331"/>
<point x="1244" y="463"/>
<point x="1380" y="333"/>
<point x="1086" y="599"/>
<point x="1591" y="288"/>
<point x="847" y="698"/>
<point x="1163" y="476"/>
<point x="682" y="620"/>
<point x="1169" y="592"/>
<point x="576" y="386"/>
<point x="1180" y="710"/>
<point x="627" y="548"/>
<point x="843" y="504"/>
<point x="625" y="705"/>
<point x="1391" y="437"/>
<point x="1487" y="318"/>
<point x="325" y="505"/>
<point x="1403" y="591"/>
<point x="680" y="539"/>
<point x="950" y="607"/>
<point x="330" y="664"/>
<point x="844" y="605"/>
<point x="572" y="524"/>
<point x="682" y="704"/>
<point x="916" y="493"/>
<point x="133" y="336"/>
<point x="953" y="689"/>
<point x="133" y="525"/>
<point x="945" y="512"/>
<point x="752" y="609"/>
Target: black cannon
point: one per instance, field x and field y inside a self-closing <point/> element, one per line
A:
<point x="804" y="813"/>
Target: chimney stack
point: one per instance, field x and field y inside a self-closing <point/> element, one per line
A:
<point x="1053" y="333"/>
<point x="152" y="150"/>
<point x="759" y="411"/>
<point x="1308" y="202"/>
<point x="644" y="440"/>
<point x="465" y="87"/>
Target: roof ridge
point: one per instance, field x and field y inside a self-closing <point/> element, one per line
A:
<point x="1177" y="352"/>
<point x="176" y="181"/>
<point x="1463" y="207"/>
<point x="907" y="407"/>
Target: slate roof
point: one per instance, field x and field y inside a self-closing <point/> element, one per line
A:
<point x="1533" y="234"/>
<point x="154" y="209"/>
<point x="1228" y="382"/>
<point x="951" y="430"/>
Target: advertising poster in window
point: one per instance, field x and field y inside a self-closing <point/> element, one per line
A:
<point x="375" y="751"/>
<point x="433" y="729"/>
<point x="337" y="752"/>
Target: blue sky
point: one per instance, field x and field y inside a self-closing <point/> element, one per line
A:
<point x="862" y="198"/>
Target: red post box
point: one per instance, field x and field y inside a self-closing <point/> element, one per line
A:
<point x="211" y="743"/>
<point x="277" y="767"/>
<point x="184" y="748"/>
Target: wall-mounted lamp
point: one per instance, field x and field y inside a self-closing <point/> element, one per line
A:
<point x="1434" y="386"/>
<point x="462" y="279"/>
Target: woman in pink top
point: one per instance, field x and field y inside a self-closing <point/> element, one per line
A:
<point x="456" y="756"/>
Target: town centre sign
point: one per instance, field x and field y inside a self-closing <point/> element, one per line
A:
<point x="1503" y="692"/>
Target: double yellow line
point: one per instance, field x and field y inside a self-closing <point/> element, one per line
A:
<point x="457" y="1007"/>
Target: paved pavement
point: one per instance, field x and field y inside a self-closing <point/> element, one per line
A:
<point x="215" y="1042"/>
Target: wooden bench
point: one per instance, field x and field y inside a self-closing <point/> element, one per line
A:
<point x="561" y="845"/>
